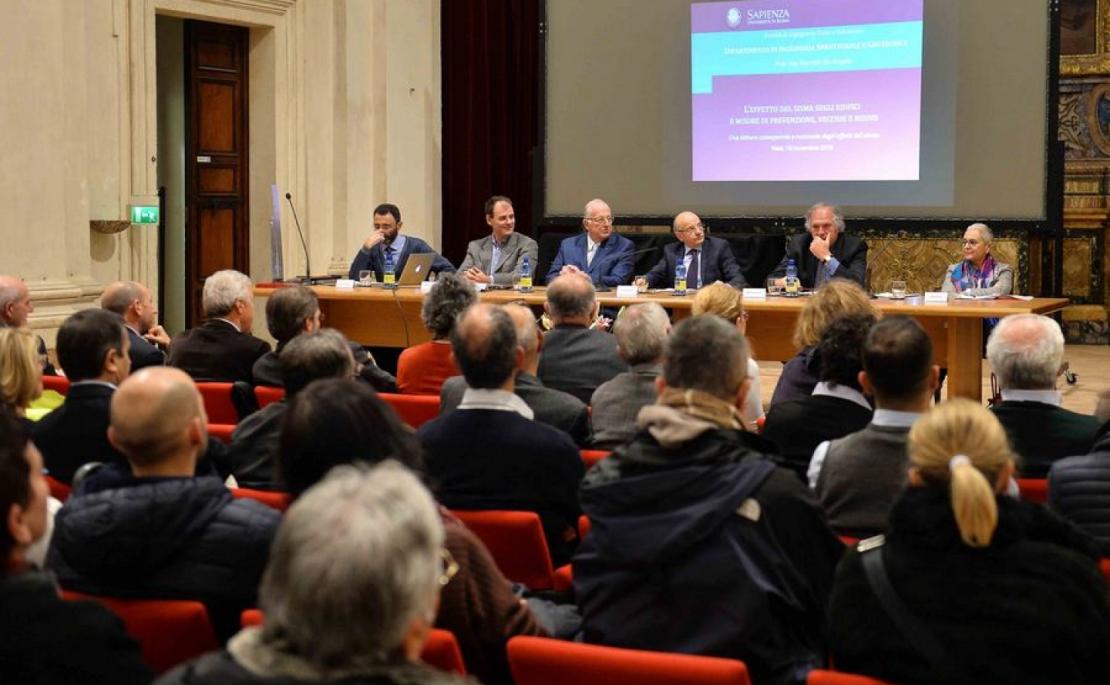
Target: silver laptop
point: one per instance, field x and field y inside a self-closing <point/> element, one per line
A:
<point x="417" y="268"/>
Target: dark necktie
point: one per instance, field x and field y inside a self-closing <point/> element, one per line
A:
<point x="692" y="274"/>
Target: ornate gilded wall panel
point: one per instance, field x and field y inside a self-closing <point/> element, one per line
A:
<point x="922" y="261"/>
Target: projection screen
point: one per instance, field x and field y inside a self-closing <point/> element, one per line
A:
<point x="758" y="108"/>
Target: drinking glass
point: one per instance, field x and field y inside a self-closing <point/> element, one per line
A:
<point x="774" y="288"/>
<point x="898" y="290"/>
<point x="366" y="276"/>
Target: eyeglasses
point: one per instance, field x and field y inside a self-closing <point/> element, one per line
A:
<point x="450" y="567"/>
<point x="696" y="227"/>
<point x="971" y="241"/>
<point x="600" y="219"/>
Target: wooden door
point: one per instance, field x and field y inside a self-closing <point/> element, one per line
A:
<point x="216" y="181"/>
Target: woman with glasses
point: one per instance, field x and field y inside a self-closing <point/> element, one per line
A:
<point x="978" y="273"/>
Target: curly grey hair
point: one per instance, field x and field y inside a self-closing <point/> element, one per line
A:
<point x="449" y="297"/>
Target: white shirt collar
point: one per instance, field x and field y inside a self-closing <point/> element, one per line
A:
<point x="231" y="323"/>
<point x="843" y="392"/>
<point x="894" y="419"/>
<point x="106" y="384"/>
<point x="497" y="400"/>
<point x="1046" y="396"/>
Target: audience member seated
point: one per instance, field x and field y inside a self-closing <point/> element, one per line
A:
<point x="1026" y="353"/>
<point x="253" y="451"/>
<point x="350" y="592"/>
<point x="576" y="358"/>
<point x="20" y="372"/>
<point x="857" y="478"/>
<point x="133" y="303"/>
<point x="837" y="406"/>
<point x="699" y="543"/>
<point x="159" y="531"/>
<point x="1006" y="591"/>
<point x="641" y="331"/>
<point x="489" y="453"/>
<point x="222" y="348"/>
<point x="726" y="302"/>
<point x="294" y="310"/>
<point x="93" y="351"/>
<point x="335" y="422"/>
<point x="601" y="254"/>
<point x="47" y="639"/>
<point x="835" y="300"/>
<point x="421" y="369"/>
<point x="823" y="252"/>
<point x="554" y="407"/>
<point x="1079" y="489"/>
<point x="15" y="306"/>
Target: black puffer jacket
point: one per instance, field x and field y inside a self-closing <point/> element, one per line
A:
<point x="1029" y="608"/>
<point x="1079" y="489"/>
<point x="165" y="537"/>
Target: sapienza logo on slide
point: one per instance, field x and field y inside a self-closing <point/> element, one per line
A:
<point x="735" y="18"/>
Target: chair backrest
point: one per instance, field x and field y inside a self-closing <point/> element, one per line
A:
<point x="221" y="431"/>
<point x="1104" y="566"/>
<point x="583" y="526"/>
<point x="441" y="651"/>
<point x="169" y="631"/>
<point x="218" y="403"/>
<point x="415" y="410"/>
<point x="544" y="661"/>
<point x="276" y="500"/>
<point x="268" y="395"/>
<point x="1033" y="489"/>
<point x="591" y="457"/>
<point x="58" y="489"/>
<point x="59" y="384"/>
<point x="819" y="677"/>
<point x="515" y="540"/>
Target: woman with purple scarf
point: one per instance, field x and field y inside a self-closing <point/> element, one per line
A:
<point x="978" y="273"/>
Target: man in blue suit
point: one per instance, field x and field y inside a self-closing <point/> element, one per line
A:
<point x="707" y="259"/>
<point x="603" y="255"/>
<point x="387" y="239"/>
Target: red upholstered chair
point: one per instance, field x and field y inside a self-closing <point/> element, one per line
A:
<point x="221" y="431"/>
<point x="848" y="540"/>
<point x="440" y="651"/>
<point x="1104" y="565"/>
<point x="217" y="402"/>
<point x="1033" y="489"/>
<point x="267" y="395"/>
<point x="276" y="500"/>
<point x="543" y="661"/>
<point x="591" y="457"/>
<point x="169" y="631"/>
<point x="415" y="410"/>
<point x="819" y="677"/>
<point x="517" y="543"/>
<point x="58" y="489"/>
<point x="583" y="526"/>
<point x="59" y="384"/>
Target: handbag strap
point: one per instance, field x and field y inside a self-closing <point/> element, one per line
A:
<point x="916" y="633"/>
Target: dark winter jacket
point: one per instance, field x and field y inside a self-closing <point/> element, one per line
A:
<point x="1079" y="489"/>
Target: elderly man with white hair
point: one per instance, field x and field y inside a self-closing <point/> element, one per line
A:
<point x="15" y="307"/>
<point x="350" y="592"/>
<point x="1026" y="352"/>
<point x="222" y="348"/>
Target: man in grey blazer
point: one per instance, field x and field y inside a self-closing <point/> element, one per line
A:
<point x="553" y="407"/>
<point x="496" y="258"/>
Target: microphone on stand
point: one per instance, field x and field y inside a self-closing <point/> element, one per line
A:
<point x="307" y="264"/>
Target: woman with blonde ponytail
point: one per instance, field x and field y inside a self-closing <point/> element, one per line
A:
<point x="995" y="590"/>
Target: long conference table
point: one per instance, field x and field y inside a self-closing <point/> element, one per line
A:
<point x="391" y="318"/>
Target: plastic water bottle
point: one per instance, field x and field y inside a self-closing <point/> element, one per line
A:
<point x="389" y="278"/>
<point x="793" y="286"/>
<point x="680" y="277"/>
<point x="524" y="280"/>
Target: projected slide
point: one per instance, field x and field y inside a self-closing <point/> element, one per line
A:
<point x="806" y="90"/>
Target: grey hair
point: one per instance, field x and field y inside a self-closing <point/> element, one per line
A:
<point x="706" y="353"/>
<point x="448" y="298"/>
<point x="1026" y="351"/>
<point x="571" y="295"/>
<point x="356" y="559"/>
<point x="121" y="297"/>
<point x="985" y="232"/>
<point x="586" y="209"/>
<point x="9" y="291"/>
<point x="222" y="289"/>
<point x="838" y="216"/>
<point x="641" y="332"/>
<point x="320" y="354"/>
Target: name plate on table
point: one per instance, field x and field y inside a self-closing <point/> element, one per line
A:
<point x="345" y="284"/>
<point x="627" y="291"/>
<point x="936" y="298"/>
<point x="754" y="294"/>
<point x="426" y="287"/>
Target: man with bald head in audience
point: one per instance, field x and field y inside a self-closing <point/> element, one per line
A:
<point x="132" y="301"/>
<point x="159" y="531"/>
<point x="554" y="407"/>
<point x="576" y="358"/>
<point x="489" y="453"/>
<point x="15" y="307"/>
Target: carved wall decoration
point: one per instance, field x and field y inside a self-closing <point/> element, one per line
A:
<point x="1083" y="64"/>
<point x="1077" y="267"/>
<point x="1071" y="123"/>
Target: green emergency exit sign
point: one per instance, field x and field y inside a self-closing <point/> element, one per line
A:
<point x="144" y="215"/>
